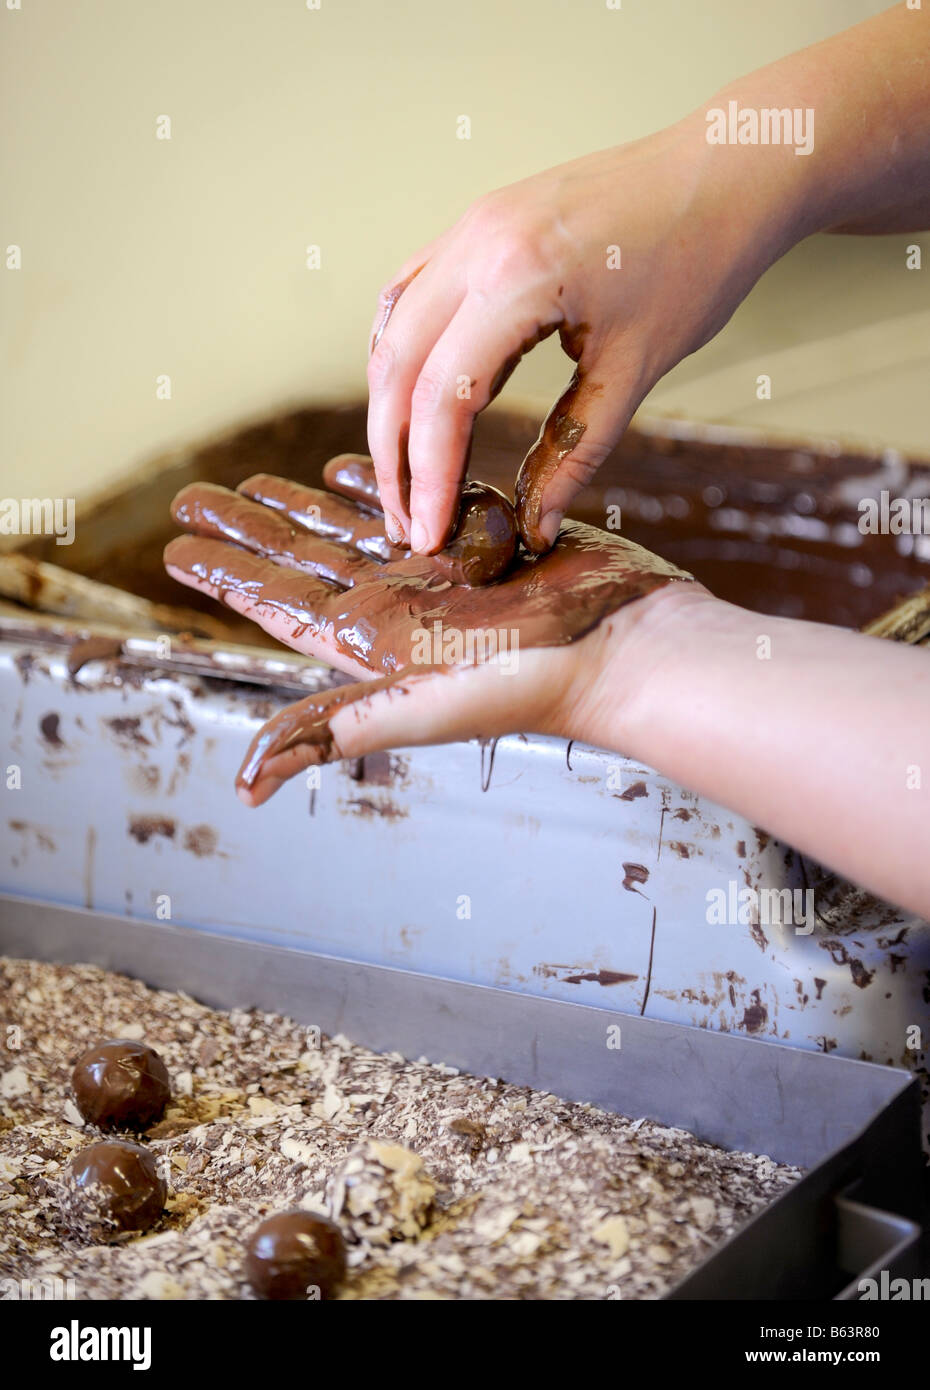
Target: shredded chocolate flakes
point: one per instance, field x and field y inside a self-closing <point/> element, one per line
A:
<point x="446" y="1186"/>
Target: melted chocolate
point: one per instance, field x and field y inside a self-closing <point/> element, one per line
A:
<point x="92" y="649"/>
<point x="282" y="520"/>
<point x="484" y="537"/>
<point x="314" y="510"/>
<point x="389" y="304"/>
<point x="543" y="601"/>
<point x="770" y="527"/>
<point x="561" y="432"/>
<point x="379" y="619"/>
<point x="353" y="476"/>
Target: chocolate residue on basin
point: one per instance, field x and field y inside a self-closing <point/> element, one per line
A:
<point x="128" y="729"/>
<point x="201" y="840"/>
<point x="632" y="792"/>
<point x="50" y="726"/>
<point x="92" y="649"/>
<point x="634" y="874"/>
<point x="758" y="935"/>
<point x="840" y="956"/>
<point x="381" y="769"/>
<point x="372" y="808"/>
<point x="755" y="1015"/>
<point x="145" y="828"/>
<point x="600" y="977"/>
<point x="41" y="836"/>
<point x="25" y="664"/>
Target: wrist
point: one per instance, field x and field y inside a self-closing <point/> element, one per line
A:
<point x="630" y="667"/>
<point x="847" y="128"/>
<point x="756" y="199"/>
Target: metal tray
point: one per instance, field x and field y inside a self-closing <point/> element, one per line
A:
<point x="852" y="1126"/>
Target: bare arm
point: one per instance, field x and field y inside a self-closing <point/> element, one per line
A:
<point x="636" y="256"/>
<point x="817" y="734"/>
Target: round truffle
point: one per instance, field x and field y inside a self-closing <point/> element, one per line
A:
<point x="293" y="1253"/>
<point x="381" y="1193"/>
<point x="485" y="540"/>
<point x="110" y="1188"/>
<point x="120" y="1084"/>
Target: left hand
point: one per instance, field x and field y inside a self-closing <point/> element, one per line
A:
<point x="467" y="662"/>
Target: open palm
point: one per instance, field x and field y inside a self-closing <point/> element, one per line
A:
<point x="313" y="569"/>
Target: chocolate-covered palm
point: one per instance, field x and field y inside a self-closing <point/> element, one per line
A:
<point x="313" y="569"/>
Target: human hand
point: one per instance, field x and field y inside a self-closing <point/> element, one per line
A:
<point x="518" y="654"/>
<point x="636" y="256"/>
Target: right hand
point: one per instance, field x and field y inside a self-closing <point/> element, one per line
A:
<point x="694" y="232"/>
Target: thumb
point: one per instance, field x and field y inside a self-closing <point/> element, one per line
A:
<point x="508" y="693"/>
<point x="578" y="434"/>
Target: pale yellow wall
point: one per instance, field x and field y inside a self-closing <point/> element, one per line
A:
<point x="337" y="127"/>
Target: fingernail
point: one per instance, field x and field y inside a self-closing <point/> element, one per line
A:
<point x="549" y="526"/>
<point x="395" y="532"/>
<point x="419" y="537"/>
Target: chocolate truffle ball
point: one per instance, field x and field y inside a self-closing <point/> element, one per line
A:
<point x="293" y="1252"/>
<point x="485" y="539"/>
<point x="110" y="1188"/>
<point x="120" y="1084"/>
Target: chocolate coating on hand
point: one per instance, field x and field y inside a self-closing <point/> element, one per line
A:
<point x="110" y="1188"/>
<point x="484" y="541"/>
<point x="353" y="476"/>
<point x="120" y="1084"/>
<point x="325" y="514"/>
<point x="542" y="602"/>
<point x="294" y="1252"/>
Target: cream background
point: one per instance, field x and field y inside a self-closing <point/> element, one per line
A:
<point x="337" y="126"/>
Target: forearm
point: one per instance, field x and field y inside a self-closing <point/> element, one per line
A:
<point x="816" y="734"/>
<point x="869" y="167"/>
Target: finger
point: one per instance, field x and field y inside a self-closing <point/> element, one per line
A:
<point x="578" y="434"/>
<point x="464" y="371"/>
<point x="388" y="297"/>
<point x="296" y="610"/>
<point x="484" y="541"/>
<point x="415" y="319"/>
<point x="326" y="515"/>
<point x="402" y="711"/>
<point x="353" y="476"/>
<point x="204" y="509"/>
